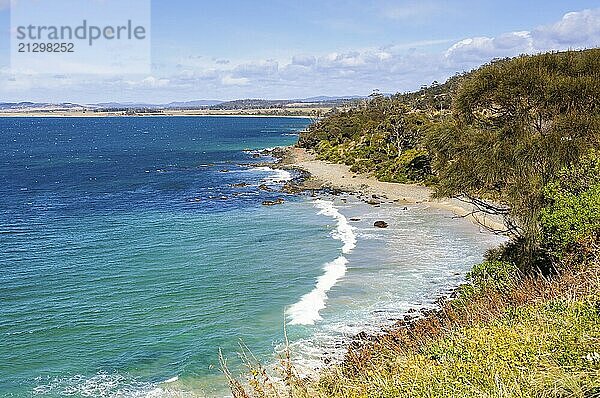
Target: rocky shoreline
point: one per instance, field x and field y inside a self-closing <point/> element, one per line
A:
<point x="314" y="177"/>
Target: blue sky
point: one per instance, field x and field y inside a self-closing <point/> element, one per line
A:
<point x="291" y="49"/>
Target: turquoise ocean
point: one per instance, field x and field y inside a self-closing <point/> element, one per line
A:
<point x="129" y="256"/>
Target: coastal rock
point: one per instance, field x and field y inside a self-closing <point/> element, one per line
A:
<point x="291" y="187"/>
<point x="264" y="187"/>
<point x="374" y="202"/>
<point x="355" y="219"/>
<point x="380" y="224"/>
<point x="240" y="184"/>
<point x="223" y="171"/>
<point x="277" y="201"/>
<point x="255" y="155"/>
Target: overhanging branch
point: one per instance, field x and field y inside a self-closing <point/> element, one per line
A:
<point x="487" y="208"/>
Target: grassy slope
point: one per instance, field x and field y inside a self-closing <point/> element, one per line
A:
<point x="539" y="338"/>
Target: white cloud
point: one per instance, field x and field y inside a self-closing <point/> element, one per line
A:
<point x="479" y="49"/>
<point x="575" y="30"/>
<point x="303" y="60"/>
<point x="229" y="80"/>
<point x="149" y="82"/>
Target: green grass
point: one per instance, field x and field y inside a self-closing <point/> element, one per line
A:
<point x="544" y="350"/>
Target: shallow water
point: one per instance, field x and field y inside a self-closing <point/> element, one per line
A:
<point x="127" y="258"/>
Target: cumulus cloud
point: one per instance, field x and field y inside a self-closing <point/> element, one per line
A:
<point x="478" y="49"/>
<point x="303" y="60"/>
<point x="575" y="30"/>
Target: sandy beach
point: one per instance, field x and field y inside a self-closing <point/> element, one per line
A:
<point x="339" y="176"/>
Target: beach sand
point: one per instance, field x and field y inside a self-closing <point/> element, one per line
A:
<point x="338" y="176"/>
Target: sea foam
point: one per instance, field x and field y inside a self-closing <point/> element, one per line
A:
<point x="276" y="176"/>
<point x="306" y="311"/>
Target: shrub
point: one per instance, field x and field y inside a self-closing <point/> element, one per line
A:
<point x="571" y="219"/>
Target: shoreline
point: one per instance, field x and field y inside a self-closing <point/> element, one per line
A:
<point x="338" y="183"/>
<point x="326" y="175"/>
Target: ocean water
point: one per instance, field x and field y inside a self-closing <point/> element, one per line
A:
<point x="128" y="257"/>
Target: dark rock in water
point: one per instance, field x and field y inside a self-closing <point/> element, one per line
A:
<point x="355" y="219"/>
<point x="223" y="171"/>
<point x="405" y="208"/>
<point x="411" y="310"/>
<point x="264" y="187"/>
<point x="240" y="185"/>
<point x="291" y="187"/>
<point x="374" y="202"/>
<point x="255" y="155"/>
<point x="380" y="224"/>
<point x="277" y="201"/>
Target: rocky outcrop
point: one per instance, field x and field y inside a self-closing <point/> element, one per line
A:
<point x="277" y="201"/>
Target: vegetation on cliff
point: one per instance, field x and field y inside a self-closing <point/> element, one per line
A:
<point x="519" y="138"/>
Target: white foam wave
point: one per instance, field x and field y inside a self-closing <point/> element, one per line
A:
<point x="276" y="175"/>
<point x="280" y="176"/>
<point x="344" y="231"/>
<point x="109" y="385"/>
<point x="171" y="380"/>
<point x="307" y="310"/>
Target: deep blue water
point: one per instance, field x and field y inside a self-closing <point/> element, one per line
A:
<point x="122" y="263"/>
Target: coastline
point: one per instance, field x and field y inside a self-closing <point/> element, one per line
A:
<point x="369" y="200"/>
<point x="339" y="177"/>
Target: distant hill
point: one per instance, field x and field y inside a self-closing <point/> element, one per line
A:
<point x="320" y="101"/>
<point x="192" y="104"/>
<point x="37" y="105"/>
<point x="274" y="104"/>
